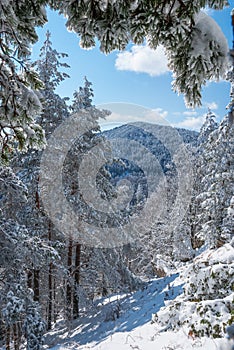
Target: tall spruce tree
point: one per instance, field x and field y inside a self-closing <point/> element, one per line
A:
<point x="81" y="103"/>
<point x="49" y="67"/>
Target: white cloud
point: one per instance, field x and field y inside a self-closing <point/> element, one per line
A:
<point x="191" y="122"/>
<point x="143" y="59"/>
<point x="155" y="115"/>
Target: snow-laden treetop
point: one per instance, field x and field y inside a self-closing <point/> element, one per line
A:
<point x="196" y="49"/>
<point x="195" y="45"/>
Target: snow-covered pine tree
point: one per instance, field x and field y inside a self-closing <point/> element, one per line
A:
<point x="82" y="103"/>
<point x="208" y="126"/>
<point x="192" y="40"/>
<point x="82" y="97"/>
<point x="217" y="184"/>
<point x="19" y="99"/>
<point x="201" y="166"/>
<point x="228" y="221"/>
<point x="48" y="67"/>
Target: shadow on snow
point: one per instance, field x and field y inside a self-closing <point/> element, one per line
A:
<point x="123" y="314"/>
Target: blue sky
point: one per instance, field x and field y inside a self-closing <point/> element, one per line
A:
<point x="149" y="85"/>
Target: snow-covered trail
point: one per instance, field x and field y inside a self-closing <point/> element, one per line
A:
<point x="123" y="322"/>
<point x="120" y="313"/>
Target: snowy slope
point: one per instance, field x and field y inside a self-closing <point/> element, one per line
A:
<point x="124" y="321"/>
<point x="120" y="313"/>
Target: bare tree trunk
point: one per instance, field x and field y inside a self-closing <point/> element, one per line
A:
<point x="8" y="338"/>
<point x="50" y="298"/>
<point x="36" y="272"/>
<point x="50" y="286"/>
<point x="16" y="337"/>
<point x="36" y="285"/>
<point x="30" y="279"/>
<point x="69" y="286"/>
<point x="19" y="330"/>
<point x="55" y="308"/>
<point x="37" y="197"/>
<point x="76" y="281"/>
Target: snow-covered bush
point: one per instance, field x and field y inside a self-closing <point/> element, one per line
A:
<point x="204" y="318"/>
<point x="211" y="276"/>
<point x="207" y="306"/>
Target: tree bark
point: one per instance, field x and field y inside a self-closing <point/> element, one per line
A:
<point x="69" y="286"/>
<point x="50" y="298"/>
<point x="36" y="274"/>
<point x="76" y="281"/>
<point x="8" y="338"/>
<point x="50" y="286"/>
<point x="16" y="337"/>
<point x="55" y="307"/>
<point x="30" y="279"/>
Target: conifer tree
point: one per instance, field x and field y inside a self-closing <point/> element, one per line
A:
<point x="49" y="67"/>
<point x="19" y="84"/>
<point x="208" y="126"/>
<point x="201" y="171"/>
<point x="81" y="103"/>
<point x="216" y="184"/>
<point x="82" y="97"/>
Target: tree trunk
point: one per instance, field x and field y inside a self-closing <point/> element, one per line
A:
<point x="50" y="286"/>
<point x="69" y="287"/>
<point x="19" y="330"/>
<point x="76" y="281"/>
<point x="16" y="337"/>
<point x="37" y="197"/>
<point x="55" y="307"/>
<point x="36" y="285"/>
<point x="50" y="298"/>
<point x="36" y="272"/>
<point x="8" y="338"/>
<point x="30" y="279"/>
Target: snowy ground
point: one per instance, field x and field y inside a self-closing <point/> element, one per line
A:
<point x="124" y="322"/>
